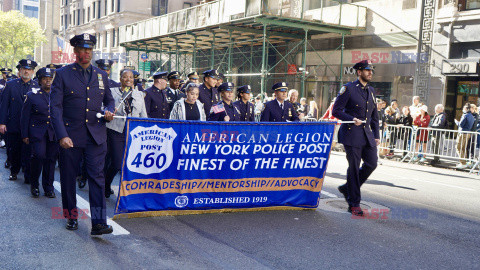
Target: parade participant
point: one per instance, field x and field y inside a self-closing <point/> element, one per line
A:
<point x="208" y="93"/>
<point x="189" y="108"/>
<point x="156" y="97"/>
<point x="37" y="131"/>
<point x="79" y="92"/>
<point x="194" y="77"/>
<point x="356" y="102"/>
<point x="173" y="92"/>
<point x="13" y="98"/>
<point x="5" y="73"/>
<point x="128" y="102"/>
<point x="278" y="110"/>
<point x="53" y="67"/>
<point x="293" y="98"/>
<point x="225" y="110"/>
<point x="106" y="65"/>
<point x="138" y="81"/>
<point x="244" y="105"/>
<point x="221" y="79"/>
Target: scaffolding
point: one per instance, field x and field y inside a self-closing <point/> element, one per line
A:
<point x="250" y="41"/>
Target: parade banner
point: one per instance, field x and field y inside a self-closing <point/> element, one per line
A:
<point x="173" y="167"/>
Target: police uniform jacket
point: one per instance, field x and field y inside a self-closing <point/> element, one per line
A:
<point x="13" y="97"/>
<point x="173" y="95"/>
<point x="35" y="119"/>
<point x="208" y="97"/>
<point x="3" y="82"/>
<point x="356" y="101"/>
<point x="230" y="110"/>
<point x="156" y="103"/>
<point x="75" y="101"/>
<point x="246" y="111"/>
<point x="274" y="113"/>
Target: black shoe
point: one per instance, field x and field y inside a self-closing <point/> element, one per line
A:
<point x="343" y="190"/>
<point x="7" y="164"/>
<point x="12" y="177"/>
<point x="50" y="194"/>
<point x="72" y="224"/>
<point x="81" y="182"/>
<point x="99" y="229"/>
<point x="108" y="192"/>
<point x="35" y="192"/>
<point x="356" y="211"/>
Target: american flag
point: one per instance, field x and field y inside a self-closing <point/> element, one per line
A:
<point x="218" y="108"/>
<point x="66" y="49"/>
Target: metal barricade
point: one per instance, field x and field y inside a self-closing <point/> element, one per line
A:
<point x="396" y="139"/>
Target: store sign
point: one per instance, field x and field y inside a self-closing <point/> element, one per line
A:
<point x="458" y="67"/>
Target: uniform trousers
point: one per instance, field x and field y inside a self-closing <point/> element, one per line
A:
<point x="94" y="158"/>
<point x="43" y="160"/>
<point x="115" y="153"/>
<point x="19" y="154"/>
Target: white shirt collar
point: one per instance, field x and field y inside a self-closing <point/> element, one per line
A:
<point x="280" y="103"/>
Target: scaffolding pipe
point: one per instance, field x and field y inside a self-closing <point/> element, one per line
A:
<point x="262" y="85"/>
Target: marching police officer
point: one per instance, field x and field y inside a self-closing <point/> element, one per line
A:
<point x="37" y="131"/>
<point x="156" y="99"/>
<point x="106" y="65"/>
<point x="137" y="80"/>
<point x="10" y="111"/>
<point x="208" y="93"/>
<point x="194" y="77"/>
<point x="5" y="72"/>
<point x="356" y="102"/>
<point x="173" y="92"/>
<point x="221" y="79"/>
<point x="244" y="93"/>
<point x="79" y="91"/>
<point x="225" y="110"/>
<point x="279" y="110"/>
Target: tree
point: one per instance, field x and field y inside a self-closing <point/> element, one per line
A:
<point x="19" y="35"/>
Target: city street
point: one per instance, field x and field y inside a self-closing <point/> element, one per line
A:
<point x="429" y="219"/>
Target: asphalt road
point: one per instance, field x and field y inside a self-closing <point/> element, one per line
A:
<point x="433" y="223"/>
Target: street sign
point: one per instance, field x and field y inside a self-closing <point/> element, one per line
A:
<point x="145" y="66"/>
<point x="144" y="57"/>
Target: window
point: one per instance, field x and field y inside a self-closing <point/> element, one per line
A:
<point x="61" y="22"/>
<point x="98" y="9"/>
<point x="113" y="6"/>
<point x="408" y="4"/>
<point x="88" y="14"/>
<point x="105" y="41"/>
<point x="159" y="7"/>
<point x="118" y="5"/>
<point x="78" y="16"/>
<point x="105" y="8"/>
<point x="473" y="4"/>
<point x="118" y="38"/>
<point x="114" y="37"/>
<point x="94" y="9"/>
<point x="187" y="5"/>
<point x="30" y="11"/>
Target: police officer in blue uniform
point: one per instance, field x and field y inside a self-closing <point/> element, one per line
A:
<point x="173" y="91"/>
<point x="37" y="131"/>
<point x="79" y="92"/>
<point x="246" y="108"/>
<point x="356" y="102"/>
<point x="156" y="101"/>
<point x="225" y="110"/>
<point x="13" y="98"/>
<point x="5" y="72"/>
<point x="208" y="93"/>
<point x="137" y="80"/>
<point x="106" y="65"/>
<point x="279" y="110"/>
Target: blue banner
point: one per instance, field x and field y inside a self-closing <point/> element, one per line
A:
<point x="185" y="167"/>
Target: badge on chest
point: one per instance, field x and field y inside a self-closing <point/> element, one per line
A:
<point x="100" y="81"/>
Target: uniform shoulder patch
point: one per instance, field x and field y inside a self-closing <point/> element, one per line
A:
<point x="35" y="90"/>
<point x="342" y="90"/>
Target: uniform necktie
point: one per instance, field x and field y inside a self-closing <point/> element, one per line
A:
<point x="281" y="106"/>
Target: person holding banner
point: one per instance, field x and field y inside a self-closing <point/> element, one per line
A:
<point x="244" y="93"/>
<point x="189" y="108"/>
<point x="129" y="102"/>
<point x="356" y="102"/>
<point x="225" y="110"/>
<point x="80" y="91"/>
<point x="208" y="93"/>
<point x="278" y="110"/>
<point x="156" y="97"/>
<point x="37" y="131"/>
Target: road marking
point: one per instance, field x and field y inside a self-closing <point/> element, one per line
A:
<point x="328" y="194"/>
<point x="426" y="181"/>
<point x="83" y="204"/>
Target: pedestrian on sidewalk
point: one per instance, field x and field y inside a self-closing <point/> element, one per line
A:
<point x="421" y="121"/>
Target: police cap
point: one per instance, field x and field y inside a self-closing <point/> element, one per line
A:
<point x="226" y="86"/>
<point x="83" y="41"/>
<point x="212" y="73"/>
<point x="53" y="66"/>
<point x="45" y="72"/>
<point x="160" y="75"/>
<point x="174" y="75"/>
<point x="5" y="70"/>
<point x="280" y="86"/>
<point x="244" y="89"/>
<point x="104" y="64"/>
<point x="136" y="74"/>
<point x="365" y="64"/>
<point x="27" y="64"/>
<point x="193" y="76"/>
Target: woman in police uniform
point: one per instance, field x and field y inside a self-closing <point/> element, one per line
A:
<point x="225" y="110"/>
<point x="244" y="105"/>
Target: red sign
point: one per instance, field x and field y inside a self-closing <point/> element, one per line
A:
<point x="292" y="69"/>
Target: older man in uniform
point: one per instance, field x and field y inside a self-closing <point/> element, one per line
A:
<point x="356" y="102"/>
<point x="10" y="111"/>
<point x="37" y="131"/>
<point x="79" y="92"/>
<point x="106" y="65"/>
<point x="279" y="110"/>
<point x="173" y="91"/>
<point x="208" y="94"/>
<point x="156" y="97"/>
<point x="244" y="105"/>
